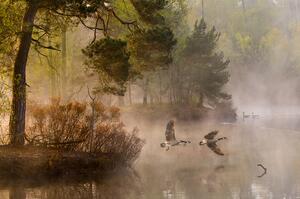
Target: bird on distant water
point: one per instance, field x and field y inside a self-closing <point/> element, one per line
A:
<point x="211" y="142"/>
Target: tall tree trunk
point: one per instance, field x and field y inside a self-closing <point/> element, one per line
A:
<point x="160" y="88"/>
<point x="129" y="93"/>
<point x="18" y="108"/>
<point x="296" y="12"/>
<point x="202" y="5"/>
<point x="63" y="73"/>
<point x="151" y="99"/>
<point x="244" y="11"/>
<point x="201" y="98"/>
<point x="171" y="85"/>
<point x="121" y="100"/>
<point x="145" y="97"/>
<point x="244" y="6"/>
<point x="53" y="72"/>
<point x="52" y="67"/>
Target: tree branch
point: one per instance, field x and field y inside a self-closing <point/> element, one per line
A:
<point x="43" y="46"/>
<point x="45" y="29"/>
<point x="92" y="98"/>
<point x="89" y="27"/>
<point x="47" y="58"/>
<point x="74" y="93"/>
<point x="265" y="170"/>
<point x="95" y="30"/>
<point x="121" y="20"/>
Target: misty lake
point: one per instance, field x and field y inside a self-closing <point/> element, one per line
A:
<point x="188" y="172"/>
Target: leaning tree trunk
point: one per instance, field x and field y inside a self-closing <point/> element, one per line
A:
<point x="18" y="108"/>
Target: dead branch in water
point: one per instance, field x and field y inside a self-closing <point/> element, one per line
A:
<point x="264" y="168"/>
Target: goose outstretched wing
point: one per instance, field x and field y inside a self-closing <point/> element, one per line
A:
<point x="215" y="148"/>
<point x="211" y="135"/>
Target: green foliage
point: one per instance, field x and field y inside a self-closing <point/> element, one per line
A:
<point x="202" y="42"/>
<point x="73" y="6"/>
<point x="110" y="59"/>
<point x="176" y="18"/>
<point x="4" y="97"/>
<point x="4" y="104"/>
<point x="204" y="70"/>
<point x="114" y="69"/>
<point x="10" y="24"/>
<point x="152" y="48"/>
<point x="149" y="10"/>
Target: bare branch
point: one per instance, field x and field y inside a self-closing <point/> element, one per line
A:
<point x="45" y="29"/>
<point x="95" y="30"/>
<point x="265" y="170"/>
<point x="107" y="23"/>
<point x="89" y="27"/>
<point x="92" y="98"/>
<point x="47" y="58"/>
<point x="40" y="37"/>
<point x="43" y="46"/>
<point x="121" y="20"/>
<point x="63" y="14"/>
<point x="74" y="93"/>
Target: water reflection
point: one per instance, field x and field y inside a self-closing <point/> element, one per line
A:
<point x="191" y="173"/>
<point x="220" y="182"/>
<point x="118" y="186"/>
<point x="17" y="192"/>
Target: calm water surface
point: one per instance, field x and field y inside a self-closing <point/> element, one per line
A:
<point x="192" y="171"/>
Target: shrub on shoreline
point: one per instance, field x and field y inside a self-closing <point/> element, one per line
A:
<point x="79" y="127"/>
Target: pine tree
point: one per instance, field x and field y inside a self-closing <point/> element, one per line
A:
<point x="109" y="59"/>
<point x="151" y="48"/>
<point x="205" y="72"/>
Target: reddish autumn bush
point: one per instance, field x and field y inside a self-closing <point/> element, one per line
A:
<point x="57" y="125"/>
<point x="76" y="126"/>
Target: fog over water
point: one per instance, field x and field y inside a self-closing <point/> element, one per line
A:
<point x="194" y="171"/>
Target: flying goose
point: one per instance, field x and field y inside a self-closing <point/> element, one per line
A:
<point x="170" y="137"/>
<point x="211" y="142"/>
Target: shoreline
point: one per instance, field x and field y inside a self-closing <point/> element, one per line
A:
<point x="38" y="163"/>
